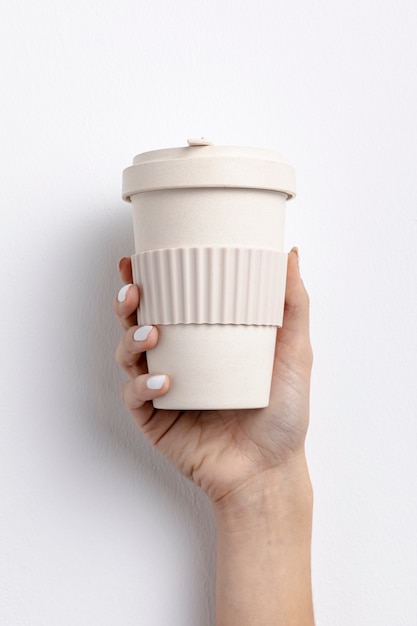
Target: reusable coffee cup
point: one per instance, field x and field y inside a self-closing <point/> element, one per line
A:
<point x="209" y="262"/>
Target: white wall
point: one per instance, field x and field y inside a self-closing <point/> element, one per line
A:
<point x="95" y="526"/>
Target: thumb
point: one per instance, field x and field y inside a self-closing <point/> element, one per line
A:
<point x="294" y="336"/>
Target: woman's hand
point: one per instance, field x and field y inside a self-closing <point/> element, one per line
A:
<point x="222" y="451"/>
<point x="250" y="462"/>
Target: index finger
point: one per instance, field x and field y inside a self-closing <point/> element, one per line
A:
<point x="126" y="302"/>
<point x="125" y="269"/>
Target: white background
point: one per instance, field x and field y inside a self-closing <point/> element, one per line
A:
<point x="95" y="527"/>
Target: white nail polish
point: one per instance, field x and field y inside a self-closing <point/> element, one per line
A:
<point x="121" y="296"/>
<point x="142" y="333"/>
<point x="156" y="382"/>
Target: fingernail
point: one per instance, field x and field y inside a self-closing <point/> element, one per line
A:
<point x="142" y="333"/>
<point x="121" y="296"/>
<point x="295" y="249"/>
<point x="156" y="382"/>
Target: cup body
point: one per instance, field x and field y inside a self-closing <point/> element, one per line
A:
<point x="211" y="270"/>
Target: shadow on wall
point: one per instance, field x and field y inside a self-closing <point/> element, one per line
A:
<point x="93" y="279"/>
<point x="100" y="430"/>
<point x="96" y="280"/>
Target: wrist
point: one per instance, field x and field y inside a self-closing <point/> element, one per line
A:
<point x="264" y="549"/>
<point x="279" y="494"/>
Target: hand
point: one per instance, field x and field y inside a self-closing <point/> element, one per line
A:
<point x="222" y="451"/>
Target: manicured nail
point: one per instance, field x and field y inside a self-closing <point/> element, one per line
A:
<point x="156" y="382"/>
<point x="142" y="333"/>
<point x="121" y="296"/>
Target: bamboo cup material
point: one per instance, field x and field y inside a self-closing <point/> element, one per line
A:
<point x="209" y="232"/>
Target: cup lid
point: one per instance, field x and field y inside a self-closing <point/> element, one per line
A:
<point x="202" y="164"/>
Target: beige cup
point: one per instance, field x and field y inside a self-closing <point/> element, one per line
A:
<point x="209" y="263"/>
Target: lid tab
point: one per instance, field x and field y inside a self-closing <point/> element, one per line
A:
<point x="199" y="142"/>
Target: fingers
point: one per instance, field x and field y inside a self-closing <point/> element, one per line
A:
<point x="294" y="336"/>
<point x="127" y="300"/>
<point x="129" y="352"/>
<point x="125" y="269"/>
<point x="297" y="304"/>
<point x="142" y="389"/>
<point x="125" y="305"/>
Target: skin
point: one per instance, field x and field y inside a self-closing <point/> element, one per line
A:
<point x="251" y="463"/>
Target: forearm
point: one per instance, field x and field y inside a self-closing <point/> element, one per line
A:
<point x="263" y="551"/>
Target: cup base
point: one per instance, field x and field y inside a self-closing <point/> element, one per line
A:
<point x="214" y="366"/>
